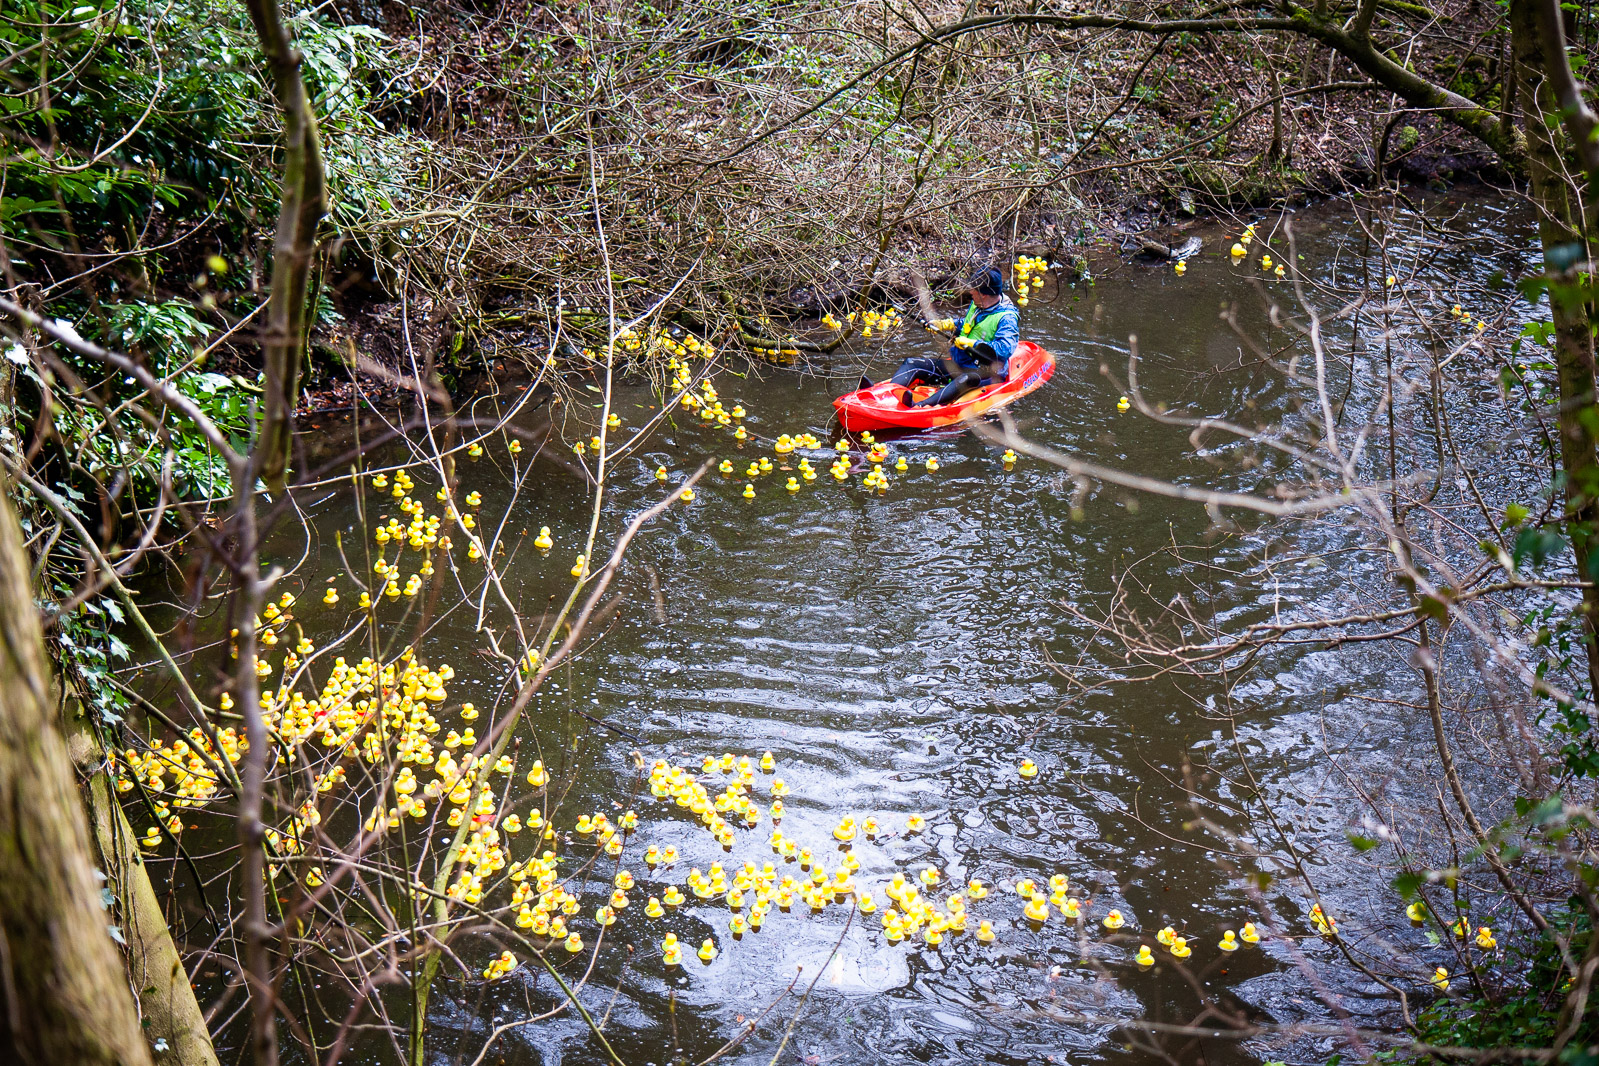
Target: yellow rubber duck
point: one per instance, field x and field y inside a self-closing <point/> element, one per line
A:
<point x="152" y="837"/>
<point x="976" y="889"/>
<point x="1248" y="934"/>
<point x="845" y="830"/>
<point x="708" y="949"/>
<point x="1072" y="908"/>
<point x="330" y="597"/>
<point x="661" y="474"/>
<point x="915" y="823"/>
<point x="673" y="896"/>
<point x="1026" y="887"/>
<point x="1485" y="938"/>
<point x="1167" y="936"/>
<point x="1440" y="979"/>
<point x="985" y="931"/>
<point x="725" y="466"/>
<point x="687" y="495"/>
<point x="1037" y="909"/>
<point x="768" y="762"/>
<point x="793" y="485"/>
<point x="1238" y="251"/>
<point x="1028" y="768"/>
<point x="1123" y="404"/>
<point x="1009" y="458"/>
<point x="1228" y="941"/>
<point x="1265" y="262"/>
<point x="1180" y="268"/>
<point x="749" y="492"/>
<point x="574" y="943"/>
<point x="1145" y="958"/>
<point x="932" y="465"/>
<point x="1181" y="949"/>
<point x="1113" y="920"/>
<point x="537" y="776"/>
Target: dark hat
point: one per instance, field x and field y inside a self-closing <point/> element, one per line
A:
<point x="989" y="282"/>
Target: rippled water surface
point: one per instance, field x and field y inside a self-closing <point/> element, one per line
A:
<point x="902" y="653"/>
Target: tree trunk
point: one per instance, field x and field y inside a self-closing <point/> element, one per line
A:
<point x="1566" y="250"/>
<point x="166" y="999"/>
<point x="62" y="987"/>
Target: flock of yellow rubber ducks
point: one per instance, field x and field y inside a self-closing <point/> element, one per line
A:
<point x="1023" y="276"/>
<point x="1240" y="251"/>
<point x="385" y="715"/>
<point x="872" y="322"/>
<point x="388" y="716"/>
<point x="713" y="412"/>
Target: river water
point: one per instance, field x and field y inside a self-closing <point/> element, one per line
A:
<point x="901" y="653"/>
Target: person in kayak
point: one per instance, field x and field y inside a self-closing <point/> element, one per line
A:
<point x="980" y="355"/>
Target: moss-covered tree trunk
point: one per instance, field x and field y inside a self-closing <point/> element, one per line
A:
<point x="160" y="980"/>
<point x="1566" y="248"/>
<point x="64" y="998"/>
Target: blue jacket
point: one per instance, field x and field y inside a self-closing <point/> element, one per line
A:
<point x="1007" y="334"/>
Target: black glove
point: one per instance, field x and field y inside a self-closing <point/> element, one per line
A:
<point x="985" y="351"/>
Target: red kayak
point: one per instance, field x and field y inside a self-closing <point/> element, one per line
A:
<point x="878" y="407"/>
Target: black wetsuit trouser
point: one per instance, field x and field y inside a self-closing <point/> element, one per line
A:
<point x="925" y="370"/>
